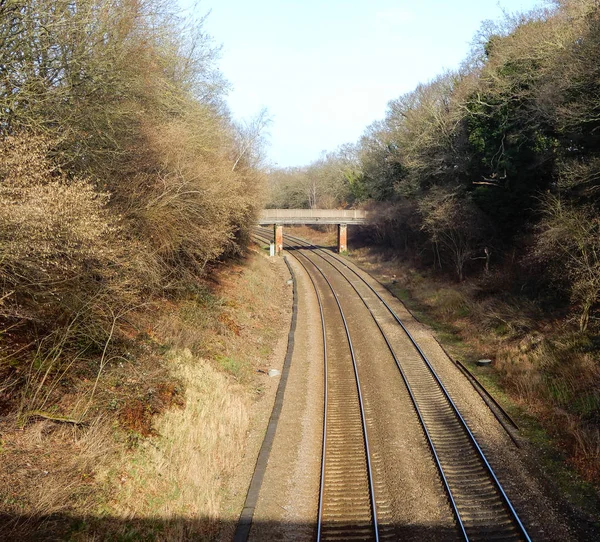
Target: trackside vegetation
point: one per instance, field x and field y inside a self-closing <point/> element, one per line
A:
<point x="488" y="179"/>
<point x="124" y="184"/>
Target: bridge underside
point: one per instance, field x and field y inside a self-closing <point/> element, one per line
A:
<point x="290" y="217"/>
<point x="342" y="236"/>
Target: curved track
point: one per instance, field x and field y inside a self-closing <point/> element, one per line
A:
<point x="482" y="509"/>
<point x="347" y="508"/>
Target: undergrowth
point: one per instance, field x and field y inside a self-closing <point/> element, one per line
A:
<point x="165" y="421"/>
<point x="545" y="371"/>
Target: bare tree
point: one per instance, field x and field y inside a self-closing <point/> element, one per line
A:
<point x="569" y="240"/>
<point x="249" y="136"/>
<point x="454" y="225"/>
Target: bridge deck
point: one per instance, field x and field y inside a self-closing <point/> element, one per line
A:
<point x="312" y="216"/>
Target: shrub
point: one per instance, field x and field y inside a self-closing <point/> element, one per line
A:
<point x="455" y="227"/>
<point x="569" y="240"/>
<point x="62" y="254"/>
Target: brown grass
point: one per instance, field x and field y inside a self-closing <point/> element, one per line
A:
<point x="181" y="471"/>
<point x="544" y="366"/>
<point x="168" y="419"/>
<point x="50" y="468"/>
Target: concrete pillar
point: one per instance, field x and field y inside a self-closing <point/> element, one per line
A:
<point x="278" y="233"/>
<point x="342" y="238"/>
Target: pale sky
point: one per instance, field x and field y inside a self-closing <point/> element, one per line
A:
<point x="326" y="69"/>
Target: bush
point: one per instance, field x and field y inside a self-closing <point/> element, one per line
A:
<point x="122" y="175"/>
<point x="455" y="227"/>
<point x="62" y="253"/>
<point x="569" y="241"/>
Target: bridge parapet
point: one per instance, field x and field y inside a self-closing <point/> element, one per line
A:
<point x="313" y="216"/>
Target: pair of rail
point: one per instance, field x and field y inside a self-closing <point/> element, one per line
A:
<point x="480" y="513"/>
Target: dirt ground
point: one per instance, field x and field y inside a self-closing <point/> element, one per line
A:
<point x="234" y="493"/>
<point x="287" y="506"/>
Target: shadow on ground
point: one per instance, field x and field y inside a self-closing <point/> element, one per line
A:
<point x="62" y="527"/>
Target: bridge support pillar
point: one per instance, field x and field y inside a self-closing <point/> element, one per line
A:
<point x="342" y="238"/>
<point x="278" y="234"/>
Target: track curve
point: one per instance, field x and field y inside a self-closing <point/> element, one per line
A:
<point x="347" y="506"/>
<point x="480" y="505"/>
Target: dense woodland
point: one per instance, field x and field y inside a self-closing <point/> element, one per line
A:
<point x="486" y="187"/>
<point x="492" y="168"/>
<point x="122" y="176"/>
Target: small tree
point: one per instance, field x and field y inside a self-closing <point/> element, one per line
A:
<point x="454" y="225"/>
<point x="569" y="238"/>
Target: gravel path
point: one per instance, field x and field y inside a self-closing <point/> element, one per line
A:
<point x="287" y="506"/>
<point x="237" y="486"/>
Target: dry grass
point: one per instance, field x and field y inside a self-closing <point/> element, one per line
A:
<point x="179" y="474"/>
<point x="546" y="367"/>
<point x="50" y="468"/>
<point x="171" y="417"/>
<point x="554" y="378"/>
<point x="218" y="340"/>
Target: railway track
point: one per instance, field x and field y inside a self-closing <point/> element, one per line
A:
<point x="347" y="508"/>
<point x="480" y="505"/>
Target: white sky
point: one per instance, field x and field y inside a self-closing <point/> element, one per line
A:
<point x="326" y="69"/>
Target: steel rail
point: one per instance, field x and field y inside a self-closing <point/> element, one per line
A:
<point x="418" y="411"/>
<point x="463" y="423"/>
<point x="479" y="387"/>
<point x="489" y="468"/>
<point x="467" y="372"/>
<point x="325" y="398"/>
<point x="360" y="397"/>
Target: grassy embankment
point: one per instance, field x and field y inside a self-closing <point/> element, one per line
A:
<point x="170" y="420"/>
<point x="544" y="372"/>
<point x="124" y="187"/>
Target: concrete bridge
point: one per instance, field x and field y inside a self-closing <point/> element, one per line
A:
<point x="340" y="217"/>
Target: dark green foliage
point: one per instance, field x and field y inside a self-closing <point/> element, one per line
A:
<point x="512" y="150"/>
<point x="498" y="158"/>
